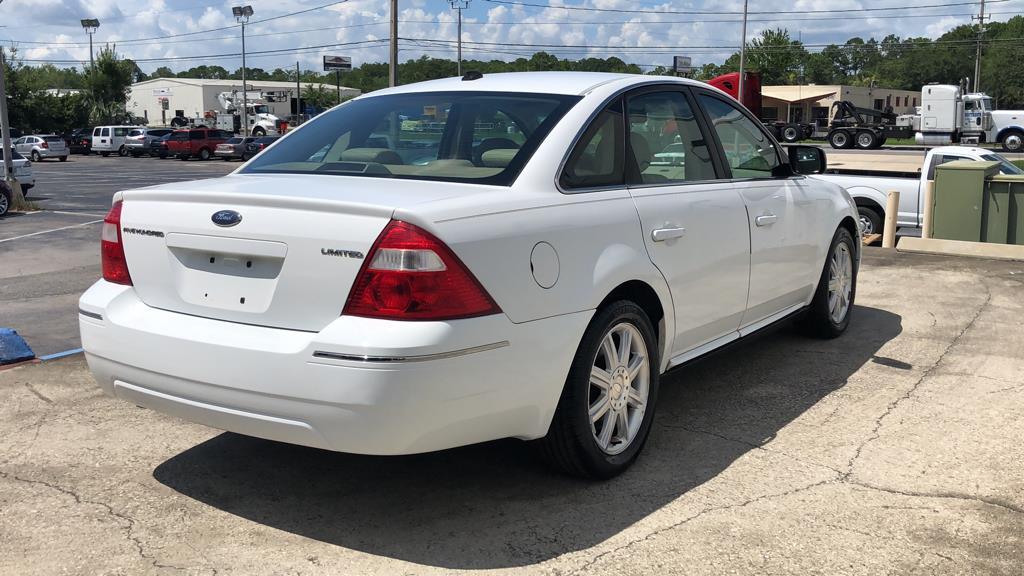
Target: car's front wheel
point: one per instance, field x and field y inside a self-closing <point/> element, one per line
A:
<point x="607" y="405"/>
<point x="829" y="313"/>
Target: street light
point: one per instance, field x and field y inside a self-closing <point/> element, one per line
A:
<point x="90" y="25"/>
<point x="459" y="5"/>
<point x="242" y="14"/>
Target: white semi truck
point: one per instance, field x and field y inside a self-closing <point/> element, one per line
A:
<point x="948" y="115"/>
<point x="261" y="121"/>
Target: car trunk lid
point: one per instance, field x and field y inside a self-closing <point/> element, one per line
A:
<point x="274" y="250"/>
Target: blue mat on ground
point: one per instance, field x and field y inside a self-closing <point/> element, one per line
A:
<point x="13" y="348"/>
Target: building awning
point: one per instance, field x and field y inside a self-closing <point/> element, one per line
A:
<point x="793" y="94"/>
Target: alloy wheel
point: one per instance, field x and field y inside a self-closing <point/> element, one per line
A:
<point x="840" y="282"/>
<point x="619" y="388"/>
<point x="866" y="225"/>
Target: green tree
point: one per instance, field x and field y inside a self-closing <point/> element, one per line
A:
<point x="776" y="56"/>
<point x="108" y="83"/>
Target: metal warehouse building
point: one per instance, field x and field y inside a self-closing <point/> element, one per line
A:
<point x="194" y="96"/>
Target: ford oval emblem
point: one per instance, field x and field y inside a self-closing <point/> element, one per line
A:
<point x="226" y="218"/>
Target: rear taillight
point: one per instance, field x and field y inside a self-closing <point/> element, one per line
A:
<point x="115" y="267"/>
<point x="45" y="145"/>
<point x="411" y="275"/>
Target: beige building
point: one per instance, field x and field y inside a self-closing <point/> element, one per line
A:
<point x="160" y="99"/>
<point x="813" y="103"/>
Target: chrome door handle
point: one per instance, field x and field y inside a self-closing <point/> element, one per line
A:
<point x="662" y="234"/>
<point x="765" y="219"/>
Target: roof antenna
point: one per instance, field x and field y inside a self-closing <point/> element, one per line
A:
<point x="472" y="75"/>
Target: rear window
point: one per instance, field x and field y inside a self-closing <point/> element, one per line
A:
<point x="179" y="136"/>
<point x="53" y="138"/>
<point x="482" y="137"/>
<point x="234" y="141"/>
<point x="137" y="132"/>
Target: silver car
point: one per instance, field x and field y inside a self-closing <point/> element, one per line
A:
<point x="39" y="146"/>
<point x="138" y="140"/>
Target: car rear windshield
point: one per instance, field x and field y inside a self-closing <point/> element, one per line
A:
<point x="481" y="137"/>
<point x="53" y="138"/>
<point x="233" y="141"/>
<point x="136" y="132"/>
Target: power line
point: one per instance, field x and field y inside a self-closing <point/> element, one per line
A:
<point x="140" y="42"/>
<point x="699" y="12"/>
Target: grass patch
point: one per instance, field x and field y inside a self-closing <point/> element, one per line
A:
<point x="1019" y="163"/>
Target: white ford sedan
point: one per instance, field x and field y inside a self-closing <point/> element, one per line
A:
<point x="469" y="259"/>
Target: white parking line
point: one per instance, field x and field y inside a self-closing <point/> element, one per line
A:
<point x="76" y="214"/>
<point x="53" y="230"/>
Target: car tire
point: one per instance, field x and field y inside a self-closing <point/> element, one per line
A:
<point x="245" y="157"/>
<point x="1013" y="141"/>
<point x="828" y="316"/>
<point x="182" y="156"/>
<point x="63" y="158"/>
<point x="35" y="156"/>
<point x="122" y="151"/>
<point x="5" y="199"/>
<point x="204" y="154"/>
<point x="575" y="443"/>
<point x="791" y="133"/>
<point x="104" y="154"/>
<point x="870" y="220"/>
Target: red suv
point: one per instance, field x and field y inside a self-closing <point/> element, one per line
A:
<point x="198" y="142"/>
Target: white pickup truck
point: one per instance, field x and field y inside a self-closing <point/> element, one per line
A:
<point x="869" y="188"/>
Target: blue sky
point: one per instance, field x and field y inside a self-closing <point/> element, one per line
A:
<point x="174" y="32"/>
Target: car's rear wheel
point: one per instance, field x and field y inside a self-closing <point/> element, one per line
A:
<point x="5" y="200"/>
<point x="204" y="154"/>
<point x="122" y="151"/>
<point x="63" y="158"/>
<point x="607" y="405"/>
<point x="829" y="313"/>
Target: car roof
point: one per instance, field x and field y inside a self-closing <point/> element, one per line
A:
<point x="568" y="83"/>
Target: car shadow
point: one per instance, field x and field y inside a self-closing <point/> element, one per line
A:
<point x="493" y="505"/>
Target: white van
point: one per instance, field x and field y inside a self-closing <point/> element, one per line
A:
<point x="109" y="139"/>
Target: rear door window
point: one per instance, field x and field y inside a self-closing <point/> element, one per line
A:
<point x="599" y="155"/>
<point x="118" y="132"/>
<point x="665" y="141"/>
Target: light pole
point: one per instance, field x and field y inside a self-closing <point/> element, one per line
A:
<point x="5" y="140"/>
<point x="242" y="14"/>
<point x="90" y="25"/>
<point x="459" y="5"/>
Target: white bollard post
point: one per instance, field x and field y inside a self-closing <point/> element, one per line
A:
<point x="927" y="215"/>
<point x="892" y="207"/>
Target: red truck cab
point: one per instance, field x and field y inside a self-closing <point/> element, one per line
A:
<point x="196" y="142"/>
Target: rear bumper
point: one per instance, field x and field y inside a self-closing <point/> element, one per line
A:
<point x="50" y="153"/>
<point x="444" y="384"/>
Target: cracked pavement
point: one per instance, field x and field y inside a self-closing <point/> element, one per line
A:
<point x="892" y="450"/>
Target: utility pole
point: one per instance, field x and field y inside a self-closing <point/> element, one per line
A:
<point x="743" y="50"/>
<point x="5" y="140"/>
<point x="459" y="6"/>
<point x="298" y="95"/>
<point x="242" y="14"/>
<point x="393" y="68"/>
<point x="977" y="55"/>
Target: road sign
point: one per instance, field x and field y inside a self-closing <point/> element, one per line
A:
<point x="682" y="64"/>
<point x="343" y="63"/>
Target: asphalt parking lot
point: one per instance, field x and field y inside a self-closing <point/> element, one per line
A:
<point x="894" y="449"/>
<point x="49" y="257"/>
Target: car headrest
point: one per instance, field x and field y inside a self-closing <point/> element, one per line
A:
<point x="499" y="157"/>
<point x="377" y="155"/>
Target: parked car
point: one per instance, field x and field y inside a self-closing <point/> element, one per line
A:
<point x="111" y="139"/>
<point x="6" y="197"/>
<point x="196" y="142"/>
<point x="158" y="147"/>
<point x="139" y="139"/>
<point x="333" y="295"/>
<point x="22" y="170"/>
<point x="257" y="146"/>
<point x="39" y="146"/>
<point x="79" y="141"/>
<point x="233" y="148"/>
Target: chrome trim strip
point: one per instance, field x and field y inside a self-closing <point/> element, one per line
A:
<point x="90" y="314"/>
<point x="422" y="358"/>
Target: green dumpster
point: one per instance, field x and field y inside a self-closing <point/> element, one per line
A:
<point x="1003" y="209"/>
<point x="957" y="213"/>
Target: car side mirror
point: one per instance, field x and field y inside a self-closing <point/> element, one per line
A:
<point x="807" y="159"/>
